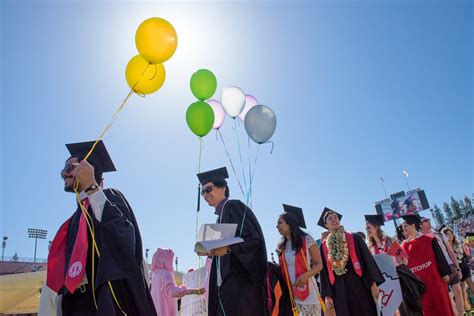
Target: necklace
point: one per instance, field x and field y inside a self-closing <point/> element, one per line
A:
<point x="338" y="251"/>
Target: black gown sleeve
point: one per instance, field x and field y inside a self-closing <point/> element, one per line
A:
<point x="370" y="271"/>
<point x="443" y="266"/>
<point x="326" y="288"/>
<point x="117" y="241"/>
<point x="250" y="254"/>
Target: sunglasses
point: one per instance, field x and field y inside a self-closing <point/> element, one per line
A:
<point x="207" y="190"/>
<point x="68" y="167"/>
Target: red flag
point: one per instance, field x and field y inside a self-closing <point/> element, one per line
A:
<point x="396" y="250"/>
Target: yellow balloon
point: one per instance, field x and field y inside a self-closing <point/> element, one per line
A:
<point x="156" y="40"/>
<point x="143" y="77"/>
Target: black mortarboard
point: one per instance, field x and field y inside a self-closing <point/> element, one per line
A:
<point x="469" y="234"/>
<point x="99" y="158"/>
<point x="324" y="214"/>
<point x="296" y="213"/>
<point x="412" y="219"/>
<point x="441" y="228"/>
<point x="375" y="219"/>
<point x="213" y="175"/>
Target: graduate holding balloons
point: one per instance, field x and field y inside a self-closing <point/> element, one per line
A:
<point x="96" y="258"/>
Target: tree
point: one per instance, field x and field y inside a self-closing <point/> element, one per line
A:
<point x="449" y="213"/>
<point x="463" y="208"/>
<point x="468" y="206"/>
<point x="15" y="257"/>
<point x="456" y="209"/>
<point x="438" y="215"/>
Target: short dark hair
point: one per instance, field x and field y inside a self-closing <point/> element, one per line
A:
<point x="222" y="184"/>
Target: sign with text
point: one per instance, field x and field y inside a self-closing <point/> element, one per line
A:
<point x="195" y="305"/>
<point x="390" y="290"/>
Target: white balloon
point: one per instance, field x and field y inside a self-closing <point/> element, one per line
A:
<point x="233" y="101"/>
<point x="219" y="114"/>
<point x="250" y="102"/>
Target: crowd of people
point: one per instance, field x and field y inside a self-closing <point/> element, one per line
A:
<point x="96" y="262"/>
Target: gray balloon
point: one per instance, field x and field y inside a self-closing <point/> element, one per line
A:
<point x="260" y="123"/>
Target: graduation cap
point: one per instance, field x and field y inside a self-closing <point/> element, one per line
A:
<point x="441" y="228"/>
<point x="324" y="214"/>
<point x="375" y="219"/>
<point x="213" y="175"/>
<point x="412" y="219"/>
<point x="99" y="158"/>
<point x="469" y="234"/>
<point x="424" y="219"/>
<point x="296" y="213"/>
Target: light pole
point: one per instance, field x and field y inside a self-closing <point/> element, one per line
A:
<point x="405" y="173"/>
<point x="36" y="233"/>
<point x="4" y="244"/>
<point x="146" y="254"/>
<point x="176" y="262"/>
<point x="383" y="186"/>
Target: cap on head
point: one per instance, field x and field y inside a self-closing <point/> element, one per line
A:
<point x="324" y="215"/>
<point x="219" y="174"/>
<point x="377" y="219"/>
<point x="296" y="213"/>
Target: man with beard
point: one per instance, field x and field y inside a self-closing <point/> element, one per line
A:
<point x="96" y="258"/>
<point x="238" y="273"/>
<point x="350" y="276"/>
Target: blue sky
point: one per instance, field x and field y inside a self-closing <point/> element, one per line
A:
<point x="361" y="89"/>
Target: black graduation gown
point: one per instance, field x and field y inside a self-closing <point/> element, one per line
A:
<point x="351" y="294"/>
<point x="275" y="280"/>
<point x="412" y="290"/>
<point x="121" y="256"/>
<point x="243" y="271"/>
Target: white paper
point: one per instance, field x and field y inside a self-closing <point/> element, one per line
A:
<point x="207" y="245"/>
<point x="213" y="236"/>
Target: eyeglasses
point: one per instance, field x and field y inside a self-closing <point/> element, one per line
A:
<point x="207" y="190"/>
<point x="68" y="167"/>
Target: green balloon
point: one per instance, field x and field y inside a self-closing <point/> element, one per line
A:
<point x="203" y="84"/>
<point x="200" y="118"/>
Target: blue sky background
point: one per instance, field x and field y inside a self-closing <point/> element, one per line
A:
<point x="361" y="89"/>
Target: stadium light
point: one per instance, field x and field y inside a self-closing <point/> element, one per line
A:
<point x="37" y="233"/>
<point x="4" y="244"/>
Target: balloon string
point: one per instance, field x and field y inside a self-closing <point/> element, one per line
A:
<point x="253" y="173"/>
<point x="156" y="72"/>
<point x="240" y="152"/>
<point x="115" y="116"/>
<point x="249" y="193"/>
<point x="273" y="145"/>
<point x="250" y="164"/>
<point x="199" y="195"/>
<point x="231" y="163"/>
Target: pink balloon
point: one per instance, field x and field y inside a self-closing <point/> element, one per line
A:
<point x="250" y="102"/>
<point x="219" y="114"/>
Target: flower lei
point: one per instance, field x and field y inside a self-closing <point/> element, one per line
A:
<point x="338" y="253"/>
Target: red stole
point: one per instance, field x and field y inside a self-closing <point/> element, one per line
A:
<point x="57" y="256"/>
<point x="301" y="267"/>
<point x="352" y="254"/>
